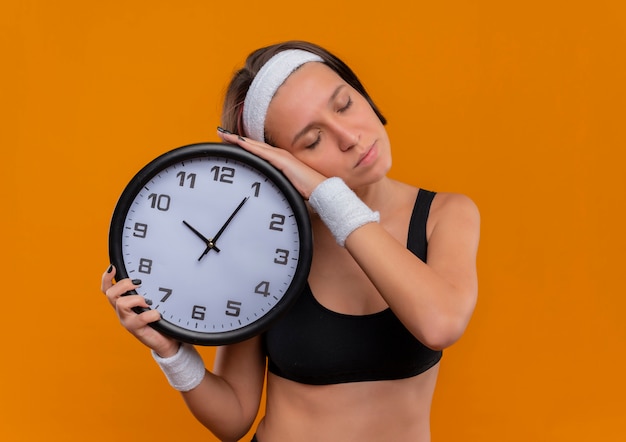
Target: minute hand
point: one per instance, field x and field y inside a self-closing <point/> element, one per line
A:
<point x="219" y="233"/>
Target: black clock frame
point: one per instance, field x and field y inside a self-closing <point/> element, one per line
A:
<point x="236" y="153"/>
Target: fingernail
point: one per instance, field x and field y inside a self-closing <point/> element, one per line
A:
<point x="148" y="301"/>
<point x="241" y="138"/>
<point x="224" y="131"/>
<point x="110" y="269"/>
<point x="136" y="281"/>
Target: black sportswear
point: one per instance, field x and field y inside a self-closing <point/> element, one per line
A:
<point x="314" y="345"/>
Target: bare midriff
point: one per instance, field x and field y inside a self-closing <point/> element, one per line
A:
<point x="357" y="411"/>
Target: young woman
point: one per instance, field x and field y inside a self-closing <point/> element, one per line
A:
<point x="393" y="279"/>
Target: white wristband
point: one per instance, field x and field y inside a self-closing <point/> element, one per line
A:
<point x="185" y="370"/>
<point x="340" y="209"/>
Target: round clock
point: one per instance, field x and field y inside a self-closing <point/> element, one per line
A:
<point x="220" y="239"/>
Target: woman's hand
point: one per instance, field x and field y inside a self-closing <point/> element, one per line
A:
<point x="302" y="177"/>
<point x="136" y="324"/>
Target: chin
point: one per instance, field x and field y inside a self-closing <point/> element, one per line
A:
<point x="367" y="180"/>
<point x="382" y="168"/>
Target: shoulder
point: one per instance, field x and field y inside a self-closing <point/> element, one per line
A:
<point x="454" y="210"/>
<point x="447" y="201"/>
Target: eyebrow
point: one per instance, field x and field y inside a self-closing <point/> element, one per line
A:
<point x="310" y="125"/>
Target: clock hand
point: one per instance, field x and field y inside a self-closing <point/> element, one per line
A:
<point x="200" y="235"/>
<point x="211" y="244"/>
<point x="215" y="238"/>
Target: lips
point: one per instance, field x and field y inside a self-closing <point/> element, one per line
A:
<point x="368" y="156"/>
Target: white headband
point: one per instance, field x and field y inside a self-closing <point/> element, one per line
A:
<point x="265" y="84"/>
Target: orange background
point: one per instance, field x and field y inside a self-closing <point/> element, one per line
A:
<point x="520" y="105"/>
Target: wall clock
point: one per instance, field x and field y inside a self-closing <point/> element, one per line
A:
<point x="220" y="239"/>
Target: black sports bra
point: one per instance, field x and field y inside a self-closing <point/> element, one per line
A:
<point x="314" y="345"/>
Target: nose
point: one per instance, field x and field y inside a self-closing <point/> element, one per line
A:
<point x="347" y="137"/>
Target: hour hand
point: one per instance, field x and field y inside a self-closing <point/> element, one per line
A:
<point x="209" y="243"/>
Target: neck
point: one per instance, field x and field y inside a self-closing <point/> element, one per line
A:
<point x="379" y="195"/>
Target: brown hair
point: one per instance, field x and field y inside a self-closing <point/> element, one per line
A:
<point x="232" y="109"/>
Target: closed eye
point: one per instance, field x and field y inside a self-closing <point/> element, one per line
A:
<point x="346" y="107"/>
<point x="316" y="142"/>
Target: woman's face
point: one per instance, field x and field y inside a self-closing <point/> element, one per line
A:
<point x="329" y="126"/>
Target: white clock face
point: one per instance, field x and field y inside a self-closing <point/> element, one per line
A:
<point x="215" y="243"/>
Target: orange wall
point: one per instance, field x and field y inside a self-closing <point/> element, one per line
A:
<point x="521" y="105"/>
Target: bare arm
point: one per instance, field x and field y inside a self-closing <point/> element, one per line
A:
<point x="227" y="400"/>
<point x="434" y="301"/>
